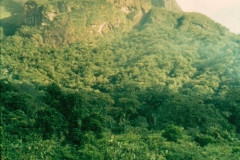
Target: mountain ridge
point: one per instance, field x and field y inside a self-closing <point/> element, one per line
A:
<point x="44" y="13"/>
<point x="117" y="79"/>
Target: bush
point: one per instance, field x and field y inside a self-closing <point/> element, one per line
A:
<point x="204" y="140"/>
<point x="236" y="150"/>
<point x="94" y="122"/>
<point x="180" y="156"/>
<point x="90" y="152"/>
<point x="49" y="122"/>
<point x="172" y="133"/>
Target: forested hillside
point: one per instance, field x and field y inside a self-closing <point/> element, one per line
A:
<point x="117" y="79"/>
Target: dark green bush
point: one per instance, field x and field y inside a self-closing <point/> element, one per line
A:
<point x="50" y="122"/>
<point x="173" y="133"/>
<point x="236" y="150"/>
<point x="181" y="156"/>
<point x="204" y="140"/>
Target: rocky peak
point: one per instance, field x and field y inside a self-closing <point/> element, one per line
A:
<point x="73" y="20"/>
<point x="170" y="5"/>
<point x="36" y="13"/>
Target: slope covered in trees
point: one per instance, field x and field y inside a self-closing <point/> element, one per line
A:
<point x="117" y="80"/>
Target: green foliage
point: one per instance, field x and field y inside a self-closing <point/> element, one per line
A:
<point x="11" y="16"/>
<point x="204" y="140"/>
<point x="182" y="155"/>
<point x="173" y="133"/>
<point x="236" y="150"/>
<point x="37" y="149"/>
<point x="50" y="122"/>
<point x="90" y="152"/>
<point x="94" y="122"/>
<point x="115" y="80"/>
<point x="1" y="33"/>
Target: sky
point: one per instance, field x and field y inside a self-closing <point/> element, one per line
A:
<point x="226" y="12"/>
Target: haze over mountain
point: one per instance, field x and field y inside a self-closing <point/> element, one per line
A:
<point x="117" y="79"/>
<point x="225" y="12"/>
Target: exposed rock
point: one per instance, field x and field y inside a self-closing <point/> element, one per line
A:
<point x="170" y="5"/>
<point x="78" y="20"/>
<point x="37" y="14"/>
<point x="125" y="9"/>
<point x="101" y="27"/>
<point x="49" y="16"/>
<point x="69" y="9"/>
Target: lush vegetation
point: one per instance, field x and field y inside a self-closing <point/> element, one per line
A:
<point x="148" y="84"/>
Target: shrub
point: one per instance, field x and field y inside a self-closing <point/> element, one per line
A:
<point x="172" y="133"/>
<point x="204" y="140"/>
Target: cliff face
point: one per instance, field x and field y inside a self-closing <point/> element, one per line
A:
<point x="69" y="21"/>
<point x="36" y="14"/>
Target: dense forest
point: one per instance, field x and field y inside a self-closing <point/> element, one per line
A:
<point x="116" y="79"/>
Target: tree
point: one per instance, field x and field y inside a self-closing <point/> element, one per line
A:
<point x="173" y="133"/>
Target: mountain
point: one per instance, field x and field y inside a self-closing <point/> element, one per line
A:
<point x="117" y="79"/>
<point x="76" y="24"/>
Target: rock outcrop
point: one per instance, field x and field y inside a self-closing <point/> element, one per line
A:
<point x="69" y="21"/>
<point x="36" y="14"/>
<point x="170" y="5"/>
